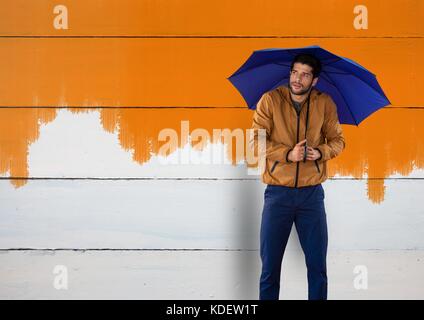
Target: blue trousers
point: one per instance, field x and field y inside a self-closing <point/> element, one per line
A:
<point x="305" y="207"/>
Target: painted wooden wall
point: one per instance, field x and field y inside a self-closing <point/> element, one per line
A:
<point x="83" y="168"/>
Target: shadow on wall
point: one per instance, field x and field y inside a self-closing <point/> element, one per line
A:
<point x="389" y="142"/>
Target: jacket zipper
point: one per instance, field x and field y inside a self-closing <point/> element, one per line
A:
<point x="297" y="141"/>
<point x="316" y="163"/>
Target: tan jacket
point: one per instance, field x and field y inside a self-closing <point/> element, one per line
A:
<point x="284" y="128"/>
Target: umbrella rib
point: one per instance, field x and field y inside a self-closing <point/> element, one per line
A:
<point x="255" y="67"/>
<point x="362" y="68"/>
<point x="279" y="80"/>
<point x="354" y="75"/>
<point x="330" y="62"/>
<point x="350" y="111"/>
<point x="354" y="63"/>
<point x="337" y="72"/>
<point x="328" y="80"/>
<point x="280" y="64"/>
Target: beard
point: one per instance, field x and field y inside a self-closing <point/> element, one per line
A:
<point x="302" y="90"/>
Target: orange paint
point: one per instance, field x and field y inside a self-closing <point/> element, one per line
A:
<point x="176" y="72"/>
<point x="18" y="129"/>
<point x="218" y="17"/>
<point x="389" y="142"/>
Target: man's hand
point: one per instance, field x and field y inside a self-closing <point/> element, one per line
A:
<point x="298" y="152"/>
<point x="312" y="154"/>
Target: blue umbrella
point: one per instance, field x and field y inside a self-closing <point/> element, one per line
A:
<point x="354" y="89"/>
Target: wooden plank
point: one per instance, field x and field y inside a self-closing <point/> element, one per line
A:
<point x="124" y="143"/>
<point x="176" y="72"/>
<point x="205" y="275"/>
<point x="196" y="215"/>
<point x="395" y="18"/>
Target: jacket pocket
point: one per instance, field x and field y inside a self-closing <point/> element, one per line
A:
<point x="273" y="166"/>
<point x="317" y="165"/>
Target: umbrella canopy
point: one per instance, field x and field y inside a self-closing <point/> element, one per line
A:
<point x="354" y="89"/>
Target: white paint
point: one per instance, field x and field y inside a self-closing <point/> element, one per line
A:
<point x="76" y="145"/>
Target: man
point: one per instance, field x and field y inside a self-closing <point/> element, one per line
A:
<point x="302" y="133"/>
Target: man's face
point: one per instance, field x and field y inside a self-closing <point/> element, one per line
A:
<point x="301" y="79"/>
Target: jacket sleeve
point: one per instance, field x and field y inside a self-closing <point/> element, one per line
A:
<point x="333" y="133"/>
<point x="262" y="119"/>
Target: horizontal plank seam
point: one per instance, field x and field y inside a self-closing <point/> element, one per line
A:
<point x="176" y="249"/>
<point x="122" y="249"/>
<point x="160" y="107"/>
<point x="121" y="107"/>
<point x="185" y="178"/>
<point x="213" y="36"/>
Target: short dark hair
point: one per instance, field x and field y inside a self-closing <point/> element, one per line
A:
<point x="310" y="60"/>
